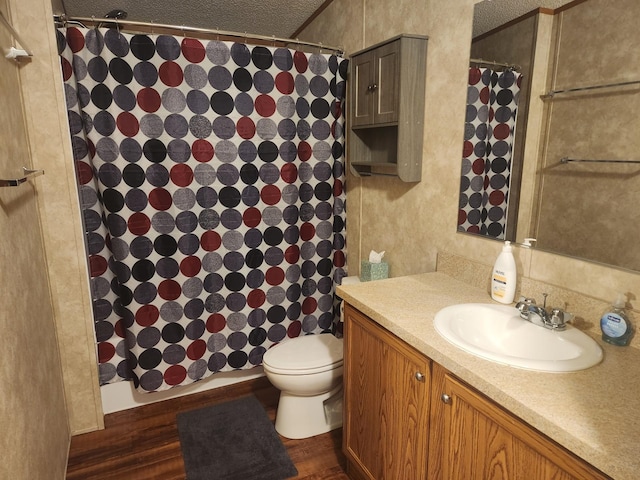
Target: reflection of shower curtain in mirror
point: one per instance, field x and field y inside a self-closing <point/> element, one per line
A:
<point x="492" y="99"/>
<point x="211" y="181"/>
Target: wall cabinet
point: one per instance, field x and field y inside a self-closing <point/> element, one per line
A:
<point x="397" y="426"/>
<point x="387" y="98"/>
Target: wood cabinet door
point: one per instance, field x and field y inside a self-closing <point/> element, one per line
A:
<point x="481" y="441"/>
<point x="376" y="86"/>
<point x="386" y="402"/>
<point x="362" y="93"/>
<point x="387" y="83"/>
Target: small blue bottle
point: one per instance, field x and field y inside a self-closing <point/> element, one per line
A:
<point x="616" y="325"/>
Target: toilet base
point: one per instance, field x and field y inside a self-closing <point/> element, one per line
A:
<point x="303" y="417"/>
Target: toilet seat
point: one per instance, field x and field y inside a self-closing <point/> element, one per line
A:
<point x="304" y="355"/>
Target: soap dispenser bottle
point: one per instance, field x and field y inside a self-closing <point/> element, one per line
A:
<point x="503" y="278"/>
<point x="615" y="323"/>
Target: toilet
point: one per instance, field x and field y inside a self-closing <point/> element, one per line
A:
<point x="308" y="372"/>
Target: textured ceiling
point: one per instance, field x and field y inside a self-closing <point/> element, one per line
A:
<point x="489" y="14"/>
<point x="279" y="18"/>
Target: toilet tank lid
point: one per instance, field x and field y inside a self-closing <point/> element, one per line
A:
<point x="305" y="352"/>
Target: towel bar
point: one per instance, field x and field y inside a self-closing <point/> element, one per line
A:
<point x="27" y="175"/>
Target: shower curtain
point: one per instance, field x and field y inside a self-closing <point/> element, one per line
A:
<point x="211" y="182"/>
<point x="492" y="100"/>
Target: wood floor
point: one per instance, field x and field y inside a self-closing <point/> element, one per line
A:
<point x="143" y="444"/>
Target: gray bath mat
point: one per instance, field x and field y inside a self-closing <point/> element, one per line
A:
<point x="232" y="441"/>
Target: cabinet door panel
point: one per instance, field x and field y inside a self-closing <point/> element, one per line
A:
<point x="407" y="416"/>
<point x="362" y="95"/>
<point x="386" y="404"/>
<point x="387" y="87"/>
<point x="362" y="387"/>
<point x="483" y="442"/>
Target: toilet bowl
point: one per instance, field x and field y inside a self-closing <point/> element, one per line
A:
<point x="308" y="372"/>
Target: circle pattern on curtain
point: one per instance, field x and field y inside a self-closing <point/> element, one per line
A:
<point x="492" y="100"/>
<point x="219" y="168"/>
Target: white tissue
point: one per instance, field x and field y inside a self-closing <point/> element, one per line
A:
<point x="375" y="257"/>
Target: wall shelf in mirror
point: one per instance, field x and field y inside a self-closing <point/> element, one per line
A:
<point x="387" y="96"/>
<point x="565" y="160"/>
<point x="553" y="93"/>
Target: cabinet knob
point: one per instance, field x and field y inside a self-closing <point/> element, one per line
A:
<point x="445" y="398"/>
<point x="419" y="377"/>
<point x="372" y="87"/>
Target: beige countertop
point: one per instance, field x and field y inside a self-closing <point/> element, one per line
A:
<point x="595" y="413"/>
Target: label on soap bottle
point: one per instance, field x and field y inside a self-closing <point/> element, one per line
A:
<point x="613" y="325"/>
<point x="499" y="286"/>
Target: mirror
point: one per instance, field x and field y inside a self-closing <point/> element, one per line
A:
<point x="584" y="55"/>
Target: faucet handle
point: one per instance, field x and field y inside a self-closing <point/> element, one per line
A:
<point x="558" y="319"/>
<point x="524" y="302"/>
<point x="523" y="306"/>
<point x="527" y="300"/>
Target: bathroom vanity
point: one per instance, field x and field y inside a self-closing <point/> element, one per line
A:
<point x="417" y="407"/>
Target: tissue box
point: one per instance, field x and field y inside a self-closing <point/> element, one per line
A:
<point x="373" y="271"/>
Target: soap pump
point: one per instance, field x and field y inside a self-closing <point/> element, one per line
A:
<point x="616" y="325"/>
<point x="503" y="278"/>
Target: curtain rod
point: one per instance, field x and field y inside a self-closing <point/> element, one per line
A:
<point x="497" y="64"/>
<point x="183" y="28"/>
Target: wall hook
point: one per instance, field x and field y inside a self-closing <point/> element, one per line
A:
<point x="13" y="52"/>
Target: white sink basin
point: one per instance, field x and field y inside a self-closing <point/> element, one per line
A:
<point x="497" y="333"/>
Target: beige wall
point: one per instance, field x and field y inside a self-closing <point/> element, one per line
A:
<point x="58" y="200"/>
<point x="34" y="436"/>
<point x="405" y="219"/>
<point x="45" y="293"/>
<point x="413" y="222"/>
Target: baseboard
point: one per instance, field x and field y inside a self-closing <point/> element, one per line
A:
<point x="122" y="396"/>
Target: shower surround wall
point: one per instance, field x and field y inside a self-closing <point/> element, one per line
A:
<point x="211" y="180"/>
<point x="34" y="433"/>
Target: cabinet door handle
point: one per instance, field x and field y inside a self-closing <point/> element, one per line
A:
<point x="372" y="87"/>
<point x="445" y="398"/>
<point x="419" y="377"/>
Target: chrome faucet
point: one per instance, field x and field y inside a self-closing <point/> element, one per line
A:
<point x="554" y="318"/>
